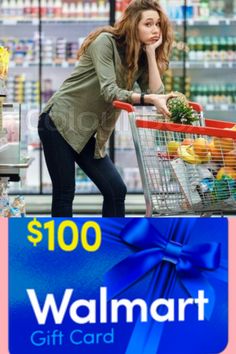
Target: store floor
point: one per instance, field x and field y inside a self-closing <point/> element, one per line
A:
<point x="84" y="205"/>
<point x="87" y="205"/>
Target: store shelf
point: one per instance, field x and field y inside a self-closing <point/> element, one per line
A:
<point x="26" y="64"/>
<point x="124" y="149"/>
<point x="29" y="106"/>
<point x="204" y="65"/>
<point x="15" y="22"/>
<point x="60" y="21"/>
<point x="220" y="107"/>
<point x="212" y="21"/>
<point x="211" y="65"/>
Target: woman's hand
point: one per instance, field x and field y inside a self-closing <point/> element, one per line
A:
<point x="160" y="102"/>
<point x="150" y="48"/>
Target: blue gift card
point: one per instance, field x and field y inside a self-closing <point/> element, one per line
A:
<point x="121" y="285"/>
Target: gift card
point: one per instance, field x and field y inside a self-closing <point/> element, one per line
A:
<point x="128" y="285"/>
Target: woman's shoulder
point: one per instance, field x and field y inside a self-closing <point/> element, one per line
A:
<point x="104" y="37"/>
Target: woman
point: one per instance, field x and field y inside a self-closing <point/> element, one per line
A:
<point x="79" y="119"/>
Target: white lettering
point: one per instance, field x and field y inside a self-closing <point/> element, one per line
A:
<point x="103" y="305"/>
<point x="129" y="305"/>
<point x="90" y="318"/>
<point x="50" y="303"/>
<point x="169" y="316"/>
<point x="58" y="311"/>
<point x="201" y="300"/>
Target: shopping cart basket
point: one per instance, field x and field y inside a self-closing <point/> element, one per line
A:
<point x="184" y="169"/>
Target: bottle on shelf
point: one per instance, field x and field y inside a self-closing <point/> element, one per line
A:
<point x="43" y="8"/>
<point x="79" y="9"/>
<point x="57" y="9"/>
<point x="27" y="9"/>
<point x="65" y="10"/>
<point x="72" y="10"/>
<point x="87" y="9"/>
<point x="50" y="13"/>
<point x="204" y="9"/>
<point x="34" y="9"/>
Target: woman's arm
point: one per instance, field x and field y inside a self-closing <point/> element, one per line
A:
<point x="102" y="56"/>
<point x="155" y="82"/>
<point x="159" y="101"/>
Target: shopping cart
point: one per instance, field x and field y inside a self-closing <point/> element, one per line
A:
<point x="184" y="169"/>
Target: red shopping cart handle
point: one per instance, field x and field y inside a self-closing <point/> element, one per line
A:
<point x="123" y="105"/>
<point x="130" y="108"/>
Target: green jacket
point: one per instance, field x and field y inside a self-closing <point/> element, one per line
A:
<point x="82" y="106"/>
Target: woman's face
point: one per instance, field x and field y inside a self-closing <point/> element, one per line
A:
<point x="149" y="30"/>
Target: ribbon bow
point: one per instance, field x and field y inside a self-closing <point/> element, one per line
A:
<point x="153" y="248"/>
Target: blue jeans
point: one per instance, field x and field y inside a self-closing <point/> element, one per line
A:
<point x="60" y="159"/>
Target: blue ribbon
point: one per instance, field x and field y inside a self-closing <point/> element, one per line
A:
<point x="154" y="250"/>
<point x="189" y="260"/>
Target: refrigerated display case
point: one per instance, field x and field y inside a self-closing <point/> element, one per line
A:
<point x="13" y="160"/>
<point x="19" y="33"/>
<point x="43" y="39"/>
<point x="211" y="59"/>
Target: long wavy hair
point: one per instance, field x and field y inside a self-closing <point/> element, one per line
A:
<point x="125" y="31"/>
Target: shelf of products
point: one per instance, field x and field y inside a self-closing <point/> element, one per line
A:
<point x="64" y="24"/>
<point x="21" y="11"/>
<point x="211" y="61"/>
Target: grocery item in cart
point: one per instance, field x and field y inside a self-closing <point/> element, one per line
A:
<point x="181" y="111"/>
<point x="187" y="153"/>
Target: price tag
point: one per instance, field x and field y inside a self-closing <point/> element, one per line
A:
<point x="64" y="64"/>
<point x="35" y="21"/>
<point x="224" y="107"/>
<point x="213" y="21"/>
<point x="190" y="22"/>
<point x="232" y="107"/>
<point x="210" y="107"/>
<point x="9" y="22"/>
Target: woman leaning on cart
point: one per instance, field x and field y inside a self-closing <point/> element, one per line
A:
<point x="79" y="119"/>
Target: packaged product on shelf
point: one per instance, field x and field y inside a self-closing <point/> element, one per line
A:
<point x="9" y="212"/>
<point x="4" y="199"/>
<point x="19" y="203"/>
<point x="7" y="209"/>
<point x="57" y="9"/>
